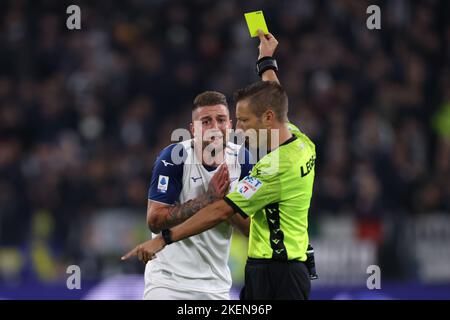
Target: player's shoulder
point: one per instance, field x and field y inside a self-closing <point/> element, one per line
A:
<point x="240" y="152"/>
<point x="233" y="147"/>
<point x="175" y="153"/>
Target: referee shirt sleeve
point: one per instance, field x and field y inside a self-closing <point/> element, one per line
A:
<point x="253" y="193"/>
<point x="235" y="207"/>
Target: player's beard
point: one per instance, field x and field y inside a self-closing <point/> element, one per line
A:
<point x="217" y="146"/>
<point x="212" y="150"/>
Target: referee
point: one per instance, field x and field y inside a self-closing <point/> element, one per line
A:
<point x="276" y="195"/>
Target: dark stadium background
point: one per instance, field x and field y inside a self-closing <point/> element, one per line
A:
<point x="83" y="114"/>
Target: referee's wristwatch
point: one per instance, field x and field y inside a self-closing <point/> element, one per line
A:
<point x="167" y="236"/>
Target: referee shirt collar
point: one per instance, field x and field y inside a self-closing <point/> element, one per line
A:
<point x="292" y="138"/>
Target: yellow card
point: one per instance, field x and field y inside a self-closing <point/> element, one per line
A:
<point x="255" y="20"/>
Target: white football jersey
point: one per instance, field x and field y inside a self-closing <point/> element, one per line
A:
<point x="198" y="263"/>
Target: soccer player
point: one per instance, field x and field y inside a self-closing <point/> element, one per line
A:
<point x="186" y="177"/>
<point x="276" y="195"/>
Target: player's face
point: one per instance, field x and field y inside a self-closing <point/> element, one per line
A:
<point x="213" y="122"/>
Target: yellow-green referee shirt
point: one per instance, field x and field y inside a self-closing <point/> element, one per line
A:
<point x="277" y="195"/>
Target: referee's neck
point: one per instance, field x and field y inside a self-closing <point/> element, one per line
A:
<point x="277" y="136"/>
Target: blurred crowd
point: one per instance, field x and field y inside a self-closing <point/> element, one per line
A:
<point x="83" y="113"/>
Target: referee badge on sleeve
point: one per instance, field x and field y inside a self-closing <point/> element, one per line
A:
<point x="248" y="186"/>
<point x="163" y="183"/>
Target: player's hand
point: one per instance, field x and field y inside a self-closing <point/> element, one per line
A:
<point x="220" y="183"/>
<point x="146" y="251"/>
<point x="268" y="44"/>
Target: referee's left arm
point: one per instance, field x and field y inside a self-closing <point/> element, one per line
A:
<point x="203" y="220"/>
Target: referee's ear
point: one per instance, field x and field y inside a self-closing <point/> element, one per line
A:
<point x="268" y="118"/>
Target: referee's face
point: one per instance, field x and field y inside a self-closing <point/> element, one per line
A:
<point x="249" y="123"/>
<point x="246" y="119"/>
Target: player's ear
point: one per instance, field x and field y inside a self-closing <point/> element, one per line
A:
<point x="191" y="128"/>
<point x="196" y="128"/>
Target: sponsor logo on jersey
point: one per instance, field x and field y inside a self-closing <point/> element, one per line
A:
<point x="195" y="179"/>
<point x="166" y="163"/>
<point x="248" y="186"/>
<point x="163" y="183"/>
<point x="307" y="168"/>
<point x="234" y="154"/>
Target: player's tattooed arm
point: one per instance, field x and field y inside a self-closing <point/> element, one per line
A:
<point x="162" y="216"/>
<point x="181" y="212"/>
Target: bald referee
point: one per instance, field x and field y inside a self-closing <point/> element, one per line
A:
<point x="276" y="195"/>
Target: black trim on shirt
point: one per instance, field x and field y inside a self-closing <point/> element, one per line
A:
<point x="276" y="235"/>
<point x="209" y="168"/>
<point x="293" y="138"/>
<point x="235" y="207"/>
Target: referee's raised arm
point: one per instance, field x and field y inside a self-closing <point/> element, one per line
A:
<point x="266" y="65"/>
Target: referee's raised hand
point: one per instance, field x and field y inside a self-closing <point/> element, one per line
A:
<point x="268" y="44"/>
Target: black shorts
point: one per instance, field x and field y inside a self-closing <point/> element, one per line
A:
<point x="275" y="280"/>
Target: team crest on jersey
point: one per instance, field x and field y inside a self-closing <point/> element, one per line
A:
<point x="163" y="183"/>
<point x="248" y="186"/>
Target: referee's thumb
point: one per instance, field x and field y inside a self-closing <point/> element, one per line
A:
<point x="261" y="35"/>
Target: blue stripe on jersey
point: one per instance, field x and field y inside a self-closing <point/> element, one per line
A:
<point x="167" y="174"/>
<point x="246" y="162"/>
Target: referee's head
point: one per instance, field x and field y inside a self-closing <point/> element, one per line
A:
<point x="261" y="105"/>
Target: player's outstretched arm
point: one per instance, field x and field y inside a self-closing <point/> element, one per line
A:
<point x="162" y="216"/>
<point x="267" y="46"/>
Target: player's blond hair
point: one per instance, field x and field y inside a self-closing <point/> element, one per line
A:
<point x="209" y="98"/>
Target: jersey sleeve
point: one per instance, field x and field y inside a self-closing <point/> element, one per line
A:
<point x="254" y="192"/>
<point x="246" y="162"/>
<point x="167" y="175"/>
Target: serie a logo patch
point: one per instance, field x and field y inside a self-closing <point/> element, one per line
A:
<point x="163" y="183"/>
<point x="248" y="186"/>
